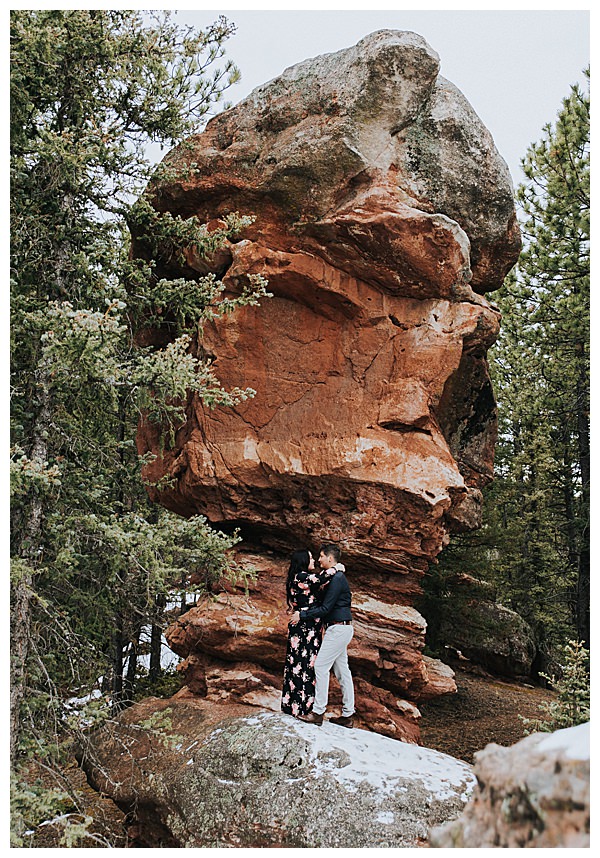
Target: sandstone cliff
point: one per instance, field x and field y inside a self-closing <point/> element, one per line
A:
<point x="383" y="213"/>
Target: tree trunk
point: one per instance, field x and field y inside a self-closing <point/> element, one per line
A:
<point x="570" y="517"/>
<point x="583" y="594"/>
<point x="119" y="639"/>
<point x="30" y="551"/>
<point x="129" y="680"/>
<point x="155" y="653"/>
<point x="19" y="635"/>
<point x="583" y="578"/>
<point x="184" y="585"/>
<point x="117" y="671"/>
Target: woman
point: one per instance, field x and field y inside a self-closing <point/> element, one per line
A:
<point x="303" y="588"/>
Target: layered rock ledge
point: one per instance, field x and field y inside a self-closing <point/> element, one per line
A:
<point x="233" y="648"/>
<point x="382" y="215"/>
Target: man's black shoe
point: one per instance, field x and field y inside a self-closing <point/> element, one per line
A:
<point x="312" y="718"/>
<point x="343" y="721"/>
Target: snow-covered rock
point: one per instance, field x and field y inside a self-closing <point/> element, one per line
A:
<point x="198" y="775"/>
<point x="533" y="794"/>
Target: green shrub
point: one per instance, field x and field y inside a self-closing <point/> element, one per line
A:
<point x="572" y="705"/>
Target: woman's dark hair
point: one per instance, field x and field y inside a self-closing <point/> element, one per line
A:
<point x="298" y="563"/>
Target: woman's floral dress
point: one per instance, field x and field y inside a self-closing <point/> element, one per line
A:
<point x="304" y="641"/>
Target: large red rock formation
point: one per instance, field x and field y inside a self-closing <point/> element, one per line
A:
<point x="382" y="215"/>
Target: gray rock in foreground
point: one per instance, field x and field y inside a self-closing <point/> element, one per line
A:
<point x="268" y="780"/>
<point x="534" y="794"/>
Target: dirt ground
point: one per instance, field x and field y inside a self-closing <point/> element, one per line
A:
<point x="485" y="709"/>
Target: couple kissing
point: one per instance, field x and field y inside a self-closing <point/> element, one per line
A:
<point x="319" y="632"/>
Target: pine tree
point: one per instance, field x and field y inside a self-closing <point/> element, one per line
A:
<point x="572" y="704"/>
<point x="92" y="562"/>
<point x="545" y="344"/>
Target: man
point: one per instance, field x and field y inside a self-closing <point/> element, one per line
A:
<point x="335" y="611"/>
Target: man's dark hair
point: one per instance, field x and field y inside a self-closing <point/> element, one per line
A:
<point x="330" y="549"/>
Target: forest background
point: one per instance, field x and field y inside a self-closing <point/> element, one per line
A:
<point x="94" y="566"/>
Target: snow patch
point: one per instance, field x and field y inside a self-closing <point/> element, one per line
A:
<point x="61" y="818"/>
<point x="168" y="658"/>
<point x="574" y="741"/>
<point x="381" y="761"/>
<point x="78" y="702"/>
<point x="385" y="816"/>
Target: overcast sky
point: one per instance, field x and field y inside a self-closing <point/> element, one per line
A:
<point x="514" y="67"/>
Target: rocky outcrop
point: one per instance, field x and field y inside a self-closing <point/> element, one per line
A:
<point x="535" y="794"/>
<point x="485" y="631"/>
<point x="193" y="775"/>
<point x="382" y="214"/>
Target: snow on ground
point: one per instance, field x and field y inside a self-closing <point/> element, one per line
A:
<point x="167" y="656"/>
<point x="78" y="702"/>
<point x="174" y="601"/>
<point x="168" y="659"/>
<point x="575" y="741"/>
<point x="379" y="760"/>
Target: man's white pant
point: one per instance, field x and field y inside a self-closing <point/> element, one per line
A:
<point x="334" y="653"/>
